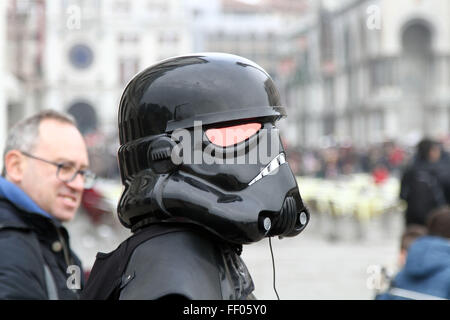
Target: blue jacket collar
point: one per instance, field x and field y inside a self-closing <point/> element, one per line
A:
<point x="19" y="198"/>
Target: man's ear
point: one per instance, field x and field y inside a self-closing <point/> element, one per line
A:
<point x="14" y="166"/>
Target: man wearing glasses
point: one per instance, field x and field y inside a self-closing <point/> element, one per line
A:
<point x="43" y="178"/>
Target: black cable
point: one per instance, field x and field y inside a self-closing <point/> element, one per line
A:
<point x="273" y="265"/>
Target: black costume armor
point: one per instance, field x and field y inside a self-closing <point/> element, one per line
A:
<point x="232" y="194"/>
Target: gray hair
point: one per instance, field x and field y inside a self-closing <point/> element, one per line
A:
<point x="24" y="134"/>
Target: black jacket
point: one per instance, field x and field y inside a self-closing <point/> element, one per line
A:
<point x="28" y="243"/>
<point x="423" y="190"/>
<point x="163" y="261"/>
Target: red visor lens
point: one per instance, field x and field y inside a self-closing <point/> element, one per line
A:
<point x="229" y="136"/>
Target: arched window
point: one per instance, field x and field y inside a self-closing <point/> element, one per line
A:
<point x="417" y="58"/>
<point x="85" y="116"/>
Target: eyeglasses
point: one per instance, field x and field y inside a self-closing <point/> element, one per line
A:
<point x="67" y="172"/>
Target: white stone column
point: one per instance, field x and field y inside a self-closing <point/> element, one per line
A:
<point x="391" y="124"/>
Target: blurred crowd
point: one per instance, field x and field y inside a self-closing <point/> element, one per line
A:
<point x="102" y="148"/>
<point x="388" y="158"/>
<point x="381" y="160"/>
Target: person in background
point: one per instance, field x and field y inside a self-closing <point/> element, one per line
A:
<point x="426" y="273"/>
<point x="409" y="236"/>
<point x="422" y="185"/>
<point x="44" y="175"/>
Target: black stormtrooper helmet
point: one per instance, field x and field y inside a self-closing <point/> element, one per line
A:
<point x="199" y="145"/>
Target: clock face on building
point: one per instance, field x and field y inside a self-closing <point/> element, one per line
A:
<point x="81" y="56"/>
